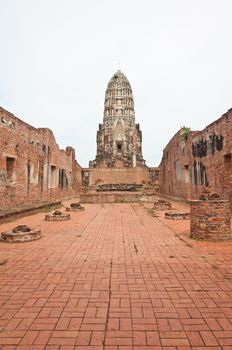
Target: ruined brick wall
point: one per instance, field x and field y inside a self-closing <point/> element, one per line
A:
<point x="32" y="167"/>
<point x="198" y="159"/>
<point x="138" y="175"/>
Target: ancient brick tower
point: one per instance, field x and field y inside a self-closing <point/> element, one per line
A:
<point x="119" y="139"/>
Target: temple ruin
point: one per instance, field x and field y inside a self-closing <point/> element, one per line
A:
<point x="33" y="169"/>
<point x="119" y="139"/>
<point x="119" y="160"/>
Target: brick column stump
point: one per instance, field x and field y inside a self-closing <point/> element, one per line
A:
<point x="210" y="220"/>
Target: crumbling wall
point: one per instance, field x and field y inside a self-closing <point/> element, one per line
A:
<point x="199" y="159"/>
<point x="32" y="167"/>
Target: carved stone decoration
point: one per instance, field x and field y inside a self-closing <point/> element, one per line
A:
<point x="119" y="139"/>
<point x="20" y="234"/>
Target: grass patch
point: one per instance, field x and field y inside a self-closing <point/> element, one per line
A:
<point x="152" y="212"/>
<point x="49" y="208"/>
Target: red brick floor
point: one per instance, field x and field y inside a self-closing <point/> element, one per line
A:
<point x="115" y="278"/>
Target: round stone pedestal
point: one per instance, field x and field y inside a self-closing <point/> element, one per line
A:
<point x="20" y="234"/>
<point x="75" y="207"/>
<point x="210" y="220"/>
<point x="57" y="216"/>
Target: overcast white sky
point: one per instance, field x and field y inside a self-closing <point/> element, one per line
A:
<point x="57" y="56"/>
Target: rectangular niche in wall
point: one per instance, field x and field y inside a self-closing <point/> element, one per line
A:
<point x="10" y="171"/>
<point x="53" y="177"/>
<point x="63" y="181"/>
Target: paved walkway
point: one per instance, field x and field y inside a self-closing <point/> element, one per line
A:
<point x="114" y="278"/>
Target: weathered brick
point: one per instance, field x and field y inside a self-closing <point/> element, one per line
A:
<point x="32" y="167"/>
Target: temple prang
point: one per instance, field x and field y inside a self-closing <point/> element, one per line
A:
<point x="119" y="138"/>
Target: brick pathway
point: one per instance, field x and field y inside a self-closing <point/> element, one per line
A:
<point x="114" y="278"/>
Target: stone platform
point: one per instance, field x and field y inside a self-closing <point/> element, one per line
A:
<point x="115" y="197"/>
